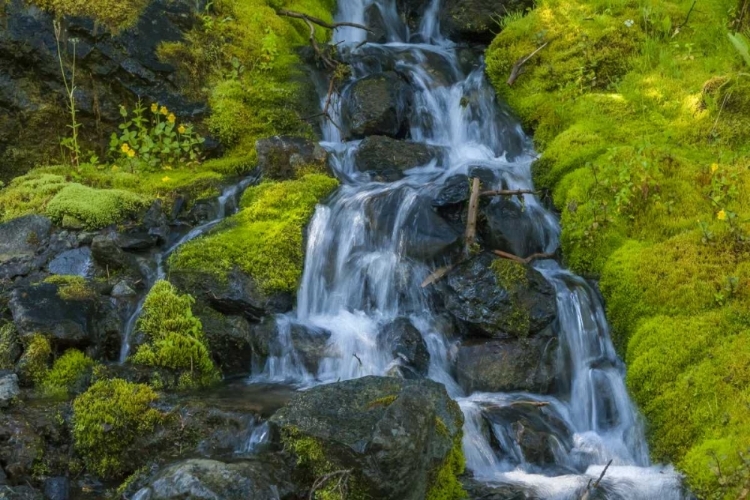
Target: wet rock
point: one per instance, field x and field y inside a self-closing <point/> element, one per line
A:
<point x="455" y="191"/>
<point x="230" y="342"/>
<point x="406" y="344"/>
<point x="23" y="237"/>
<point x="387" y="158"/>
<point x="478" y="490"/>
<point x="508" y="226"/>
<point x="238" y="296"/>
<point x="210" y="479"/>
<point x="280" y="157"/>
<point x="155" y="222"/>
<point x="498" y="298"/>
<point x="20" y="493"/>
<point x="476" y="20"/>
<point x="75" y="262"/>
<point x="122" y="290"/>
<point x="203" y="211"/>
<point x="57" y="488"/>
<point x="135" y="241"/>
<point x="19" y="445"/>
<point x="378" y="105"/>
<point x="108" y="254"/>
<point x="507" y="365"/>
<point x="309" y="343"/>
<point x="394" y="434"/>
<point x="9" y="389"/>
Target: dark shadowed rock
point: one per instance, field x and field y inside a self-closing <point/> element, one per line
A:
<point x="476" y="20"/>
<point x="268" y="479"/>
<point x="9" y="389"/>
<point x="506" y="225"/>
<point x="23" y="237"/>
<point x="20" y="493"/>
<point x="394" y="434"/>
<point x="57" y="488"/>
<point x="406" y="344"/>
<point x="75" y="262"/>
<point x="499" y="298"/>
<point x="108" y="254"/>
<point x="478" y="490"/>
<point x="280" y="157"/>
<point x="507" y="365"/>
<point x="229" y="340"/>
<point x="377" y="105"/>
<point x="309" y="343"/>
<point x="387" y="158"/>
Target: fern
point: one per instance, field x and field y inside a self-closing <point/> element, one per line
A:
<point x="742" y="44"/>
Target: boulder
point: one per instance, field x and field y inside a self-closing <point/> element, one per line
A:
<point x="19" y="445"/>
<point x="395" y="435"/>
<point x="406" y="344"/>
<point x="108" y="254"/>
<point x="57" y="488"/>
<point x="23" y="237"/>
<point x="386" y="158"/>
<point x="499" y="298"/>
<point x="378" y="104"/>
<point x="280" y="157"/>
<point x="20" y="493"/>
<point x="75" y="262"/>
<point x="229" y="340"/>
<point x="476" y="20"/>
<point x="209" y="479"/>
<point x="309" y="343"/>
<point x="480" y="490"/>
<point x="506" y="225"/>
<point x="507" y="365"/>
<point x="9" y="389"/>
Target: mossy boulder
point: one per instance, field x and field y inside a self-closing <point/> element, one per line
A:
<point x="91" y="208"/>
<point x="378" y="104"/>
<point x="401" y="439"/>
<point x="285" y="157"/>
<point x="23" y="237"/>
<point x="499" y="298"/>
<point x="477" y="20"/>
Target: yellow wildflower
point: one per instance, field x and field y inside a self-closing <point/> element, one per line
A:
<point x="714" y="168"/>
<point x="125" y="147"/>
<point x="165" y="179"/>
<point x="181" y="129"/>
<point x="722" y="215"/>
<point x="171" y="118"/>
<point x="154" y="108"/>
<point x="131" y="153"/>
<point x="164" y="110"/>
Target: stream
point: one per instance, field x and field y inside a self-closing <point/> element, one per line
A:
<point x="357" y="279"/>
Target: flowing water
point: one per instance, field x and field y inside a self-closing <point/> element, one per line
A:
<point x="361" y="273"/>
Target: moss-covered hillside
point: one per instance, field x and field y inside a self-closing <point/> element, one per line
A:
<point x="641" y="112"/>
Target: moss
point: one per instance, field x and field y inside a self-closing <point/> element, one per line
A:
<point x="75" y="288"/>
<point x="445" y="484"/>
<point x="116" y="14"/>
<point x="69" y="373"/>
<point x="9" y="347"/>
<point x="509" y="274"/>
<point x="513" y="277"/>
<point x="29" y="194"/>
<point x="107" y="419"/>
<point x="94" y="208"/>
<point x="34" y="362"/>
<point x="265" y="239"/>
<point x="174" y="338"/>
<point x="383" y="402"/>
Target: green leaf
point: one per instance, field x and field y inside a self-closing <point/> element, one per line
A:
<point x="742" y="44"/>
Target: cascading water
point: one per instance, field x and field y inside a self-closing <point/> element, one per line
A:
<point x="365" y="265"/>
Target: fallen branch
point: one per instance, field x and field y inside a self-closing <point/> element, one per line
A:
<point x="471" y="218"/>
<point x="436" y="276"/>
<point x="508" y="192"/>
<point x="684" y="23"/>
<point x="320" y="22"/>
<point x="521" y="260"/>
<point x="518" y="67"/>
<point x="591" y="487"/>
<point x="537" y="404"/>
<point x="341" y="484"/>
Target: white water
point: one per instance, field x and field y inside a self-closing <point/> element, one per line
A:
<point x="360" y="273"/>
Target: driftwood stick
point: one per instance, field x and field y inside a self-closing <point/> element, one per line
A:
<point x="537" y="404"/>
<point x="601" y="476"/>
<point x="436" y="276"/>
<point x="471" y="219"/>
<point x="509" y="192"/>
<point x="521" y="260"/>
<point x="518" y="67"/>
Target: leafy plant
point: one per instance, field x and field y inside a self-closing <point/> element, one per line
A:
<point x="742" y="44"/>
<point x="153" y="141"/>
<point x="69" y="143"/>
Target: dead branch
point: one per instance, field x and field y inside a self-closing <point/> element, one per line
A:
<point x="436" y="276"/>
<point x="341" y="484"/>
<point x="518" y="68"/>
<point x="471" y="220"/>
<point x="521" y="260"/>
<point x="509" y="192"/>
<point x="318" y="21"/>
<point x="591" y="487"/>
<point x="537" y="404"/>
<point x="684" y="23"/>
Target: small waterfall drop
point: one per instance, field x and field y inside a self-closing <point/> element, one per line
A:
<point x="371" y="247"/>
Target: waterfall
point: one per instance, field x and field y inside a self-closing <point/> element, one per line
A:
<point x="363" y="271"/>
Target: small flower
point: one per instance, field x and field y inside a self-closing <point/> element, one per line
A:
<point x="165" y="179"/>
<point x="164" y="110"/>
<point x="714" y="167"/>
<point x="154" y="108"/>
<point x="629" y="23"/>
<point x="167" y="167"/>
<point x="171" y="118"/>
<point x="722" y="215"/>
<point x="131" y="153"/>
<point x="125" y="147"/>
<point x="181" y="129"/>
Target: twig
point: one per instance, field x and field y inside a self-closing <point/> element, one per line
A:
<point x="687" y="18"/>
<point x="471" y="219"/>
<point x="343" y="478"/>
<point x="436" y="276"/>
<point x="508" y="192"/>
<point x="518" y="67"/>
<point x="601" y="476"/>
<point x="355" y="355"/>
<point x="320" y="22"/>
<point x="537" y="404"/>
<point x="521" y="260"/>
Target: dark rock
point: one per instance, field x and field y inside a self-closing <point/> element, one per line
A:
<point x="309" y="343"/>
<point x="204" y="211"/>
<point x="394" y="434"/>
<point x="479" y="490"/>
<point x="75" y="262"/>
<point x="238" y="296"/>
<point x="406" y="344"/>
<point x="155" y="222"/>
<point x="9" y="389"/>
<point x="280" y="157"/>
<point x="507" y="365"/>
<point x="476" y="20"/>
<point x="107" y="253"/>
<point x="387" y="158"/>
<point x="378" y="105"/>
<point x="122" y="290"/>
<point x="267" y="479"/>
<point x="23" y="237"/>
<point x="20" y="493"/>
<point x="230" y="342"/>
<point x="57" y="488"/>
<point x="498" y="298"/>
<point x="507" y="226"/>
<point x="455" y="191"/>
<point x="136" y="240"/>
<point x="19" y="445"/>
<point x="3" y="478"/>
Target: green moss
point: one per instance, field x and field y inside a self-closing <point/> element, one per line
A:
<point x="445" y="484"/>
<point x="34" y="362"/>
<point x="74" y="288"/>
<point x="94" y="208"/>
<point x="174" y="338"/>
<point x="116" y="14"/>
<point x="29" y="194"/>
<point x="509" y="274"/>
<point x="512" y="276"/>
<point x="107" y="419"/>
<point x="69" y="373"/>
<point x="265" y="239"/>
<point x="9" y="347"/>
<point x="383" y="402"/>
